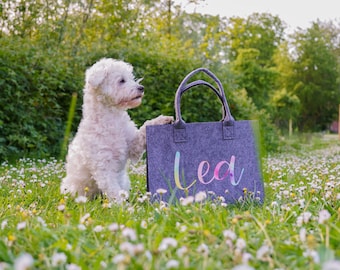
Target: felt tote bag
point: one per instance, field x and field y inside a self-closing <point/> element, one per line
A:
<point x="219" y="158"/>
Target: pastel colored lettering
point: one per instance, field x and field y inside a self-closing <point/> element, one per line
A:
<point x="222" y="170"/>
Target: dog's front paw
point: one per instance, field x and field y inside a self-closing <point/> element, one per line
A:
<point x="162" y="120"/>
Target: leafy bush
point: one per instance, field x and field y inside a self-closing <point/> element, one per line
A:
<point x="36" y="87"/>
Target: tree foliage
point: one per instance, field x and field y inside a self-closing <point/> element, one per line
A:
<point x="45" y="47"/>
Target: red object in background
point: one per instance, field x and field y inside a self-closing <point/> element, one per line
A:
<point x="334" y="127"/>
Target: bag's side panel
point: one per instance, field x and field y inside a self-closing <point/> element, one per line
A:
<point x="205" y="161"/>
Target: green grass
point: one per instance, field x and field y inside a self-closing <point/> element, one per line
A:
<point x="47" y="230"/>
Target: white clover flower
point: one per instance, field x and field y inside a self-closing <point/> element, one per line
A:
<point x="331" y="265"/>
<point x="4" y="224"/>
<point x="118" y="259"/>
<point x="203" y="249"/>
<point x="41" y="221"/>
<point x="98" y="228"/>
<point x="132" y="249"/>
<point x="123" y="194"/>
<point x="144" y="224"/>
<point x="21" y="225"/>
<point x="130" y="234"/>
<point x="84" y="218"/>
<point x="148" y="255"/>
<point x="263" y="252"/>
<point x="324" y="216"/>
<point x="243" y="267"/>
<point x="113" y="227"/>
<point x="81" y="199"/>
<point x="166" y="243"/>
<point x="338" y="196"/>
<point x="229" y="234"/>
<point x="161" y="191"/>
<point x="172" y="264"/>
<point x="240" y="244"/>
<point x="81" y="227"/>
<point x="246" y="257"/>
<point x="73" y="266"/>
<point x="306" y="216"/>
<point x="187" y="201"/>
<point x="200" y="196"/>
<point x="302" y="235"/>
<point x="23" y="262"/>
<point x="58" y="259"/>
<point x="61" y="207"/>
<point x="312" y="254"/>
<point x="182" y="251"/>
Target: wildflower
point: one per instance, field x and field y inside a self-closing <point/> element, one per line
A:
<point x="240" y="244"/>
<point x="120" y="259"/>
<point x="41" y="221"/>
<point x="161" y="191"/>
<point x="113" y="227"/>
<point x="4" y="224"/>
<point x="23" y="262"/>
<point x="243" y="267"/>
<point x="203" y="249"/>
<point x="61" y="207"/>
<point x="324" y="215"/>
<point x="58" y="258"/>
<point x="331" y="265"/>
<point x="182" y="251"/>
<point x="246" y="257"/>
<point x="302" y="235"/>
<point x="81" y="227"/>
<point x="166" y="243"/>
<point x="21" y="225"/>
<point x="309" y="253"/>
<point x="172" y="264"/>
<point x="187" y="201"/>
<point x="84" y="218"/>
<point x="200" y="196"/>
<point x="73" y="266"/>
<point x="130" y="234"/>
<point x="81" y="199"/>
<point x="123" y="194"/>
<point x="148" y="255"/>
<point x="106" y="204"/>
<point x="144" y="224"/>
<point x="132" y="249"/>
<point x="98" y="228"/>
<point x="263" y="253"/>
<point x="303" y="218"/>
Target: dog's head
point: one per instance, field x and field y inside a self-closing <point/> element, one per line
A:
<point x="114" y="84"/>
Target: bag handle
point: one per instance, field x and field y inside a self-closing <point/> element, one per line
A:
<point x="184" y="86"/>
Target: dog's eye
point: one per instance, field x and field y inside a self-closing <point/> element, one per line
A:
<point x="122" y="80"/>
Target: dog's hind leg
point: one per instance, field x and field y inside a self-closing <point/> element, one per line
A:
<point x="112" y="184"/>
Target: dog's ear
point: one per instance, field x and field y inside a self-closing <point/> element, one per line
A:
<point x="95" y="75"/>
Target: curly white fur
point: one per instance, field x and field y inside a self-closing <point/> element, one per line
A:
<point x="106" y="136"/>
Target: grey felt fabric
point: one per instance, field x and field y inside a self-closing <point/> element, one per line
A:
<point x="220" y="158"/>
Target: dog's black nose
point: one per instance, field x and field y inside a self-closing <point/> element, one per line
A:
<point x="141" y="88"/>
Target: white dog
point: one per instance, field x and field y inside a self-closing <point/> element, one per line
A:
<point x="106" y="137"/>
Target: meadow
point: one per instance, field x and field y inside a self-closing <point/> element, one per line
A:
<point x="297" y="227"/>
